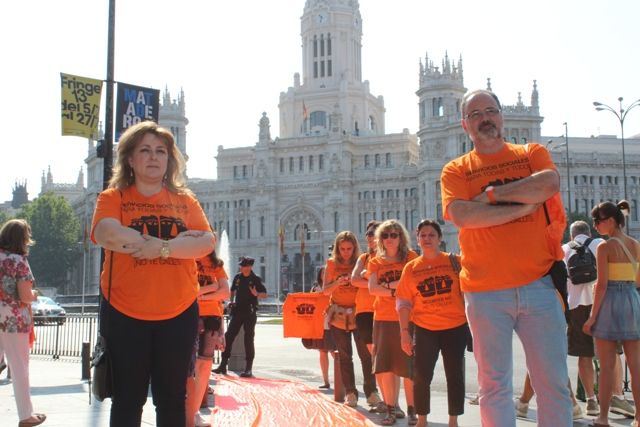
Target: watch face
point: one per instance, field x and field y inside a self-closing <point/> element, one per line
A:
<point x="321" y="18"/>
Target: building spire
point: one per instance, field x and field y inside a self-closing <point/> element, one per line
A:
<point x="489" y="84"/>
<point x="534" y="95"/>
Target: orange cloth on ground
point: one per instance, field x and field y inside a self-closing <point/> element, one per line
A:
<point x="256" y="402"/>
<point x="303" y="315"/>
<point x="508" y="255"/>
<point x="364" y="299"/>
<point x="150" y="289"/>
<point x="386" y="271"/>
<point x="433" y="287"/>
<point x="341" y="295"/>
<point x="208" y="274"/>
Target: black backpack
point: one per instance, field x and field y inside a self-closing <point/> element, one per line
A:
<point x="582" y="263"/>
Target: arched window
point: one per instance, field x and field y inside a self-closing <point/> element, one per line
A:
<point x="318" y="118"/>
<point x="372" y="123"/>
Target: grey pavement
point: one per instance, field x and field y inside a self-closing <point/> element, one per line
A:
<point x="58" y="391"/>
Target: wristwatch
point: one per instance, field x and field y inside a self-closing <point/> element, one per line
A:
<point x="165" y="251"/>
<point x="490" y="194"/>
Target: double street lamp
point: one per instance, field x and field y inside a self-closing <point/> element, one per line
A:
<point x="621" y="115"/>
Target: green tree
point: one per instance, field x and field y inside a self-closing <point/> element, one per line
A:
<point x="4" y="218"/>
<point x="56" y="230"/>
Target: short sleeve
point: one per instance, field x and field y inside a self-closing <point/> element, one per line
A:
<point x="107" y="206"/>
<point x="539" y="158"/>
<point x="452" y="186"/>
<point x="197" y="218"/>
<point x="23" y="270"/>
<point x="404" y="286"/>
<point x="260" y="286"/>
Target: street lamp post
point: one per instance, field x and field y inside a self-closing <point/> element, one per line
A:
<point x="566" y="146"/>
<point x="621" y="115"/>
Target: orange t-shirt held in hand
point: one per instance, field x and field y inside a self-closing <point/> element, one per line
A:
<point x="386" y="271"/>
<point x="434" y="290"/>
<point x="150" y="289"/>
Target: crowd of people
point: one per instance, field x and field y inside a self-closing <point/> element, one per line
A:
<point x="163" y="290"/>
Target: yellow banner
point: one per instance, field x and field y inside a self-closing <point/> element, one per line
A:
<point x="80" y="105"/>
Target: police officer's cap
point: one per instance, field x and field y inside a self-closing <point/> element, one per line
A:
<point x="245" y="261"/>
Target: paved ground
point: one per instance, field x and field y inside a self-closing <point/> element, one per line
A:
<point x="58" y="391"/>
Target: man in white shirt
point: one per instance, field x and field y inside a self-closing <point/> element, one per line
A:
<point x="580" y="302"/>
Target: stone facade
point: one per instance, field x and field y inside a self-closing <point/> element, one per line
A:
<point x="333" y="167"/>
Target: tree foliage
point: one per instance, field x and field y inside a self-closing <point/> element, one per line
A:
<point x="56" y="230"/>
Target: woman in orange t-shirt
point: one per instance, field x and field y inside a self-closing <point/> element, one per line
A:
<point x="214" y="289"/>
<point x="389" y="361"/>
<point x="429" y="295"/>
<point x="341" y="311"/>
<point x="153" y="229"/>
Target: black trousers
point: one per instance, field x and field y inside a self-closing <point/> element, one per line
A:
<point x="428" y="344"/>
<point x="146" y="351"/>
<point x="241" y="318"/>
<point x="342" y="340"/>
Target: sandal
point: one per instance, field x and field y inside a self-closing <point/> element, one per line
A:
<point x="34" y="420"/>
<point x="390" y="419"/>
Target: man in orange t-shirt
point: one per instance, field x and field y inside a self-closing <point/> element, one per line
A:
<point x="494" y="195"/>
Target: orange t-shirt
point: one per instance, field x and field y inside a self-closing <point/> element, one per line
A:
<point x="384" y="308"/>
<point x="341" y="295"/>
<point x="364" y="299"/>
<point x="208" y="274"/>
<point x="433" y="287"/>
<point x="150" y="289"/>
<point x="508" y="255"/>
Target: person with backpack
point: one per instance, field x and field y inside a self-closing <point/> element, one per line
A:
<point x="579" y="255"/>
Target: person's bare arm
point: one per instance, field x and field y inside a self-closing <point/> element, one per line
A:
<point x="357" y="274"/>
<point x="475" y="214"/>
<point x="537" y="188"/>
<point x="112" y="235"/>
<point x="375" y="288"/>
<point x="25" y="291"/>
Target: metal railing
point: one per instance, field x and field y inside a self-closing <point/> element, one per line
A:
<point x="58" y="338"/>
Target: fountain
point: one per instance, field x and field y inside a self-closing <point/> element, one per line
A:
<point x="223" y="252"/>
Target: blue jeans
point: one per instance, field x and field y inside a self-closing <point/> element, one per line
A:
<point x="534" y="312"/>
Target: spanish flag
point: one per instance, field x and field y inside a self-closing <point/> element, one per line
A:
<point x="281" y="239"/>
<point x="305" y="112"/>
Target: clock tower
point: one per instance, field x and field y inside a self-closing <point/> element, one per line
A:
<point x="331" y="98"/>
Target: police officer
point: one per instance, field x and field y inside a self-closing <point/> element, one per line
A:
<point x="245" y="291"/>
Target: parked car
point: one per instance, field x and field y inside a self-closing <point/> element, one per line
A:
<point x="46" y="310"/>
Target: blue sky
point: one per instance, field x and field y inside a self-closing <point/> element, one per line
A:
<point x="234" y="58"/>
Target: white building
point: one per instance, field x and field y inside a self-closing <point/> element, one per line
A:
<point x="332" y="167"/>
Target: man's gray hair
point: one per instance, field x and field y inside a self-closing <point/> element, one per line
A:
<point x="469" y="94"/>
<point x="579" y="227"/>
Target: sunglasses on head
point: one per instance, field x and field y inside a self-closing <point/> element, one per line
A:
<point x="370" y="233"/>
<point x="389" y="235"/>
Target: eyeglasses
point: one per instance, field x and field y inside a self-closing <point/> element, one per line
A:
<point x="370" y="233"/>
<point x="597" y="221"/>
<point x="389" y="235"/>
<point x="476" y="114"/>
